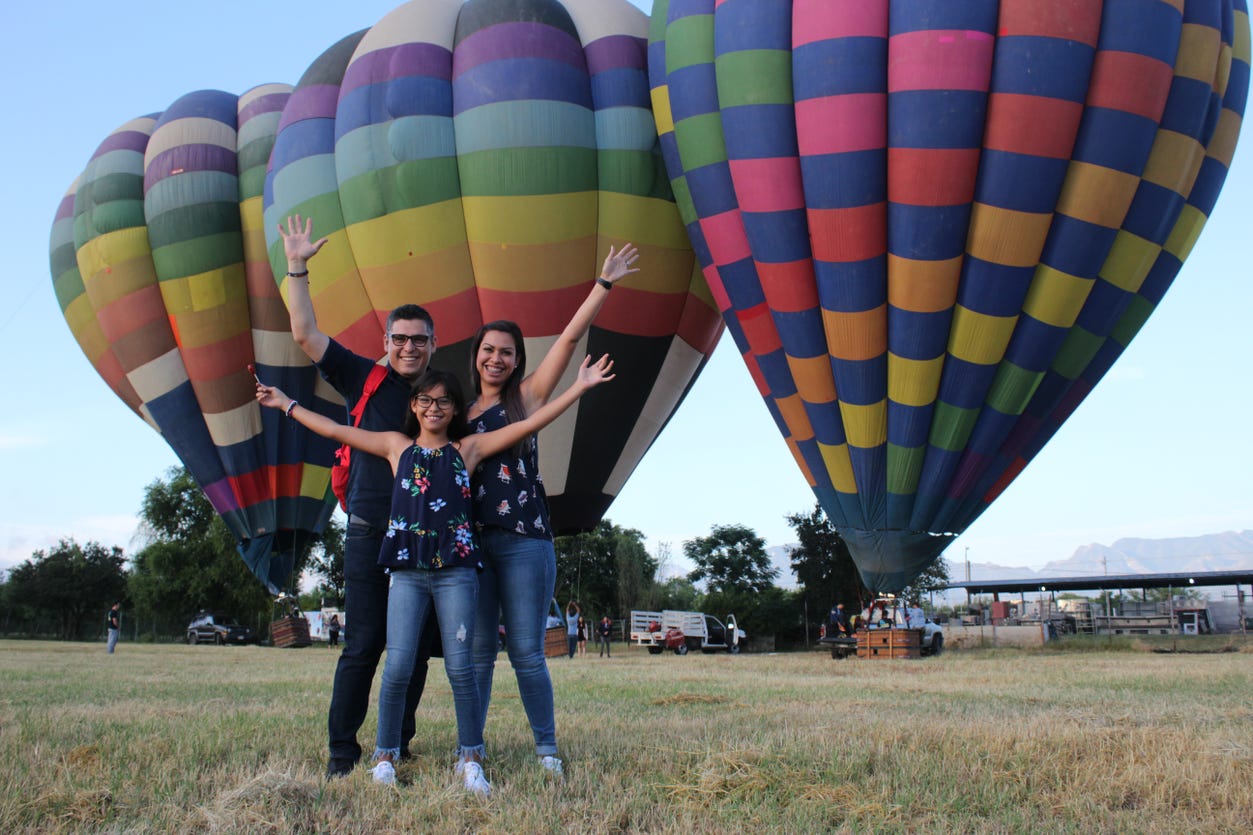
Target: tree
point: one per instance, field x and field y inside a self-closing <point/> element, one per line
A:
<point x="733" y="565"/>
<point x="823" y="565"/>
<point x="676" y="593"/>
<point x="636" y="568"/>
<point x="731" y="559"/>
<point x="933" y="578"/>
<point x="190" y="561"/>
<point x="326" y="561"/>
<point x="603" y="568"/>
<point x="71" y="585"/>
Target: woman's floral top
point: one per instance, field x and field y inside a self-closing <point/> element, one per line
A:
<point x="430" y="523"/>
<point x="508" y="490"/>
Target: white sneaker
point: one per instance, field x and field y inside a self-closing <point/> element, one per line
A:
<point x="384" y="772"/>
<point x="472" y="775"/>
<point x="552" y="765"/>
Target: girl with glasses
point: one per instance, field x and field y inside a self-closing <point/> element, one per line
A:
<point x="430" y="547"/>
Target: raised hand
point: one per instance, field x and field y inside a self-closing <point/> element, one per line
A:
<point x="593" y="374"/>
<point x="297" y="240"/>
<point x="619" y="264"/>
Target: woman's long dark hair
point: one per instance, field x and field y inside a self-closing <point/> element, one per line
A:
<point x="511" y="393"/>
<point x="452" y="386"/>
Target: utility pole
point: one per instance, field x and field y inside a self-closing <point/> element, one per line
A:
<point x="1105" y="571"/>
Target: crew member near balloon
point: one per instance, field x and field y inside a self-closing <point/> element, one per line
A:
<point x="430" y="548"/>
<point x="511" y="509"/>
<point x="408" y="344"/>
<point x="837" y="622"/>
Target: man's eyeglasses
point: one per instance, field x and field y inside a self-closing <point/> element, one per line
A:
<point x="419" y="340"/>
<point x="426" y="401"/>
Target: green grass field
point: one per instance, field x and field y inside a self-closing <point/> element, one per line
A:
<point x="165" y="738"/>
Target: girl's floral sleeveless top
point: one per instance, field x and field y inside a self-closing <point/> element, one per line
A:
<point x="508" y="490"/>
<point x="430" y="525"/>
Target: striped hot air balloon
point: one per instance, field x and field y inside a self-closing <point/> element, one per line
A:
<point x="931" y="227"/>
<point x="160" y="267"/>
<point x="479" y="159"/>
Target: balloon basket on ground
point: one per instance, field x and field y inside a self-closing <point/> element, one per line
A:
<point x="880" y="644"/>
<point x="290" y="631"/>
<point x="555" y="642"/>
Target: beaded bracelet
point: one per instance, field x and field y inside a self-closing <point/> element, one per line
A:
<point x="290" y="406"/>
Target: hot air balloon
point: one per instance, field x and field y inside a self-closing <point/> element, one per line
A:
<point x="161" y="270"/>
<point x="932" y="227"/>
<point x="479" y="159"/>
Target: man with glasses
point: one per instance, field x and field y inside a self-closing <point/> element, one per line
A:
<point x="409" y="343"/>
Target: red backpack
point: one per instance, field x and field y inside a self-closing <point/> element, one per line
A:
<point x="339" y="472"/>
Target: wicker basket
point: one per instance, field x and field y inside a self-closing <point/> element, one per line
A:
<point x="290" y="631"/>
<point x="555" y="642"/>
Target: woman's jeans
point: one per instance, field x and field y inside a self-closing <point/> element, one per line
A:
<point x="517" y="585"/>
<point x="454" y="594"/>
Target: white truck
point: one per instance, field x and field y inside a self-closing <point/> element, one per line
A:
<point x="683" y="631"/>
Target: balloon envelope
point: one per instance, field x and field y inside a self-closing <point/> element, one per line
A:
<point x="161" y="270"/>
<point x="932" y="227"/>
<point x="479" y="159"/>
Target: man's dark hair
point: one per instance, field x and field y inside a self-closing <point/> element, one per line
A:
<point x="410" y="311"/>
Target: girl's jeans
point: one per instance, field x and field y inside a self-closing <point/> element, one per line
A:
<point x="517" y="585"/>
<point x="454" y="594"/>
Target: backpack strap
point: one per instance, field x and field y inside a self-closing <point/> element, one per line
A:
<point x="372" y="383"/>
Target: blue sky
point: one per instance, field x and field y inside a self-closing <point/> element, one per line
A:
<point x="1162" y="448"/>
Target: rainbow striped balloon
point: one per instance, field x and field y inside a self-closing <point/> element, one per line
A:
<point x="931" y="227"/>
<point x="479" y="159"/>
<point x="161" y="270"/>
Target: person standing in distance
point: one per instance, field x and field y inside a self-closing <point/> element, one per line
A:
<point x="113" y="622"/>
<point x="333" y="628"/>
<point x="604" y="635"/>
<point x="409" y="344"/>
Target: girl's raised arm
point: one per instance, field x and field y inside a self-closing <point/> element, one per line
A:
<point x="474" y="448"/>
<point x="387" y="445"/>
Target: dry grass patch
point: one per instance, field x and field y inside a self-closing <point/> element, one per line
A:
<point x="689" y="699"/>
<point x="179" y="739"/>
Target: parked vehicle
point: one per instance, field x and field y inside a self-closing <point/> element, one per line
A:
<point x="220" y="629"/>
<point x="683" y="631"/>
<point x="841" y="646"/>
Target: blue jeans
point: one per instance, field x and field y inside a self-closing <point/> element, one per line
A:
<point x="517" y="584"/>
<point x="453" y="592"/>
<point x="365" y="599"/>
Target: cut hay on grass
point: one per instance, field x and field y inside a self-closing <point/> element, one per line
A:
<point x="208" y="739"/>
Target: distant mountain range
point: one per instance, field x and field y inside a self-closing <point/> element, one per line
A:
<point x="1230" y="551"/>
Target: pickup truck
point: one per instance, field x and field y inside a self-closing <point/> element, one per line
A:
<point x="894" y="616"/>
<point x="684" y="631"/>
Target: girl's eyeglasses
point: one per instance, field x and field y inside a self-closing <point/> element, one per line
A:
<point x="426" y="401"/>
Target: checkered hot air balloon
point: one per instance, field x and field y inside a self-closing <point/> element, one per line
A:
<point x="932" y="227"/>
